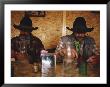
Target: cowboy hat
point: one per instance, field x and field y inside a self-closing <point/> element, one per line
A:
<point x="25" y="25"/>
<point x="80" y="26"/>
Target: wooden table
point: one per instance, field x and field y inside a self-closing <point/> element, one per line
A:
<point x="24" y="69"/>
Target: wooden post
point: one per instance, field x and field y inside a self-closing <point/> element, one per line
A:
<point x="64" y="24"/>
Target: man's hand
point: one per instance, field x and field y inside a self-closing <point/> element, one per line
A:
<point x="13" y="59"/>
<point x="20" y="56"/>
<point x="94" y="60"/>
<point x="44" y="51"/>
<point x="63" y="52"/>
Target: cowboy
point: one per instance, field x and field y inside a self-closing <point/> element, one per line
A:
<point x="81" y="43"/>
<point x="26" y="47"/>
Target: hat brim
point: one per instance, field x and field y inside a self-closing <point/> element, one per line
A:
<point x="25" y="28"/>
<point x="86" y="30"/>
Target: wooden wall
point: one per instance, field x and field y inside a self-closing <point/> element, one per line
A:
<point x="50" y="26"/>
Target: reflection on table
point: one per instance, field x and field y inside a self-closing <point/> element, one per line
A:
<point x="50" y="67"/>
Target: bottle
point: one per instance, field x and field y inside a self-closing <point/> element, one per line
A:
<point x="35" y="67"/>
<point x="68" y="62"/>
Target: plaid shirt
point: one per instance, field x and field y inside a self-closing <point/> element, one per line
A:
<point x="85" y="48"/>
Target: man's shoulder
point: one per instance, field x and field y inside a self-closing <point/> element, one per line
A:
<point x="15" y="38"/>
<point x="67" y="36"/>
<point x="35" y="38"/>
<point x="89" y="40"/>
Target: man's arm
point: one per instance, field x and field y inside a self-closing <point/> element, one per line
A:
<point x="95" y="59"/>
<point x="62" y="50"/>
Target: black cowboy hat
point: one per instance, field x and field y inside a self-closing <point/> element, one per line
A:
<point x="79" y="26"/>
<point x="25" y="25"/>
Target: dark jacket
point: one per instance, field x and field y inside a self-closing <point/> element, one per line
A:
<point x="29" y="44"/>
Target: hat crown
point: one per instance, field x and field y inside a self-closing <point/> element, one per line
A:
<point x="80" y="26"/>
<point x="79" y="22"/>
<point x="25" y="25"/>
<point x="26" y="21"/>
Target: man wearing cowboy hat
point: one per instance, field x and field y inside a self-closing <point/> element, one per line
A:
<point x="26" y="48"/>
<point x="83" y="47"/>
